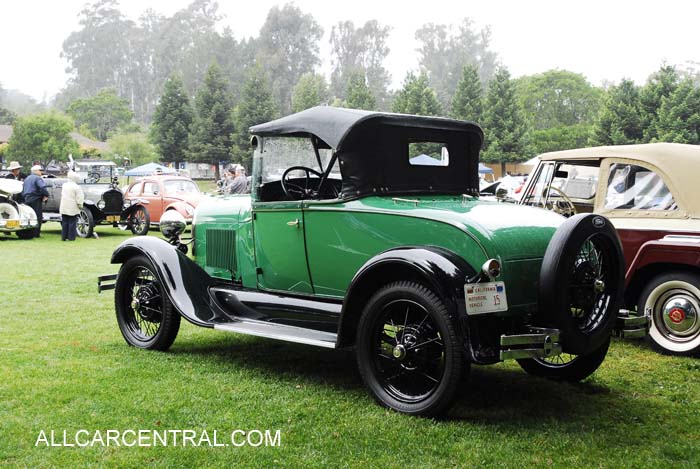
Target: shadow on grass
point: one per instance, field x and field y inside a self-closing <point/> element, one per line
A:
<point x="490" y="395"/>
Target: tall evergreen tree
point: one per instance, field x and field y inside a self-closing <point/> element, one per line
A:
<point x="468" y="101"/>
<point x="288" y="48"/>
<point x="310" y="91"/>
<point x="257" y="106"/>
<point x="358" y="94"/>
<point x="620" y="119"/>
<point x="679" y="115"/>
<point x="651" y="97"/>
<point x="505" y="139"/>
<point x="171" y="122"/>
<point x="417" y="97"/>
<point x="210" y="139"/>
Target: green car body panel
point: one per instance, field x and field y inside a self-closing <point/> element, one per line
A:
<point x="316" y="247"/>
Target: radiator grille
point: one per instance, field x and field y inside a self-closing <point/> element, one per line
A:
<point x="113" y="201"/>
<point x="221" y="248"/>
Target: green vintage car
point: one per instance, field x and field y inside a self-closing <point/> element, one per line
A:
<point x="364" y="230"/>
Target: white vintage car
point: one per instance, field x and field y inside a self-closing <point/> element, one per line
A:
<point x="15" y="217"/>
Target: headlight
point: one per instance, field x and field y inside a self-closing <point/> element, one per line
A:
<point x="172" y="224"/>
<point x="127" y="203"/>
<point x="101" y="204"/>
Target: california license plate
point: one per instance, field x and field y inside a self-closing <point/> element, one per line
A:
<point x="112" y="218"/>
<point x="485" y="297"/>
<point x="12" y="224"/>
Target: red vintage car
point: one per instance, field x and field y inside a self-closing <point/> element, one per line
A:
<point x="155" y="195"/>
<point x="650" y="194"/>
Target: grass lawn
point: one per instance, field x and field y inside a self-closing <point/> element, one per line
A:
<point x="65" y="366"/>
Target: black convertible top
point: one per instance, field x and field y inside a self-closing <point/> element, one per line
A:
<point x="372" y="148"/>
<point x="333" y="125"/>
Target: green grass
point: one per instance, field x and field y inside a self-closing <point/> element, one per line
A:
<point x="64" y="365"/>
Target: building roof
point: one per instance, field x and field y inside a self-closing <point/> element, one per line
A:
<point x="84" y="142"/>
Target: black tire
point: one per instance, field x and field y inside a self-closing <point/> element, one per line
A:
<point x="581" y="283"/>
<point x="139" y="221"/>
<point x="145" y="315"/>
<point x="672" y="302"/>
<point x="26" y="234"/>
<point x="566" y="367"/>
<point x="409" y="352"/>
<point x="85" y="225"/>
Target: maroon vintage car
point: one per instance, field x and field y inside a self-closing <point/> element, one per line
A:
<point x="651" y="194"/>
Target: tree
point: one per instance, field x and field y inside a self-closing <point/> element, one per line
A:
<point x="103" y="113"/>
<point x="620" y="119"/>
<point x="562" y="137"/>
<point x="558" y="98"/>
<point x="133" y="146"/>
<point x="679" y="115"/>
<point x="445" y="50"/>
<point x="210" y="139"/>
<point x="504" y="123"/>
<point x="43" y="138"/>
<point x="257" y="106"/>
<point x="7" y="117"/>
<point x="468" y="100"/>
<point x="416" y="97"/>
<point x="360" y="51"/>
<point x="288" y="48"/>
<point x="658" y="88"/>
<point x="309" y="92"/>
<point x="358" y="95"/>
<point x="171" y="122"/>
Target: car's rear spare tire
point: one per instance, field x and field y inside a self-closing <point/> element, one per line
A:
<point x="409" y="352"/>
<point x="581" y="283"/>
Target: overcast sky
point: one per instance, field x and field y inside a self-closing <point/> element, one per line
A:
<point x="603" y="40"/>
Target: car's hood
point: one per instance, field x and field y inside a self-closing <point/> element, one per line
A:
<point x="192" y="198"/>
<point x="503" y="230"/>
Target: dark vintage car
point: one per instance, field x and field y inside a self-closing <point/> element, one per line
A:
<point x="347" y="243"/>
<point x="649" y="192"/>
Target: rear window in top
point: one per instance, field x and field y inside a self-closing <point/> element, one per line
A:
<point x="428" y="154"/>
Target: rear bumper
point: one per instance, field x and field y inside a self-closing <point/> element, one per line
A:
<point x="631" y="327"/>
<point x="537" y="343"/>
<point x="11" y="225"/>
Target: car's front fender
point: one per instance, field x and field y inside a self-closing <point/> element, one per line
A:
<point x="185" y="283"/>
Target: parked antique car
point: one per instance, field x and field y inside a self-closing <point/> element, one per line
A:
<point x="15" y="217"/>
<point x="344" y="243"/>
<point x="649" y="194"/>
<point x="104" y="201"/>
<point x="153" y="196"/>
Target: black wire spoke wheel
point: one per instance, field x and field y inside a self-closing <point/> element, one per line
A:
<point x="566" y="366"/>
<point x="590" y="293"/>
<point x="408" y="350"/>
<point x="410" y="353"/>
<point x="144" y="313"/>
<point x="140" y="221"/>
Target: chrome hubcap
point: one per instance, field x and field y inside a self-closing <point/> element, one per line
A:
<point x="680" y="315"/>
<point x="599" y="286"/>
<point x="399" y="352"/>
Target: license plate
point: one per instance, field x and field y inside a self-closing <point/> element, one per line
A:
<point x="485" y="297"/>
<point x="12" y="224"/>
<point x="113" y="218"/>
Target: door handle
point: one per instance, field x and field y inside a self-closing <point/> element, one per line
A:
<point x="294" y="223"/>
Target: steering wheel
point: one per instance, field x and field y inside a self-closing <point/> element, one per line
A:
<point x="563" y="207"/>
<point x="296" y="191"/>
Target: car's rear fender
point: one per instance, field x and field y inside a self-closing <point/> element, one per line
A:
<point x="185" y="283"/>
<point x="439" y="269"/>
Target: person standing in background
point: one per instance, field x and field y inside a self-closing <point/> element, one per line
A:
<point x="35" y="194"/>
<point x="72" y="198"/>
<point x="14" y="171"/>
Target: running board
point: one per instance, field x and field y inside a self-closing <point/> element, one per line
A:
<point x="269" y="330"/>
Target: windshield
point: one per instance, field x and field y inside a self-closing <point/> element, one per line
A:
<point x="177" y="186"/>
<point x="281" y="153"/>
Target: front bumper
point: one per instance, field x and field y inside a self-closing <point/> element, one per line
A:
<point x="12" y="224"/>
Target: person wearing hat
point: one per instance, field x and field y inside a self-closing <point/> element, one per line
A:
<point x="72" y="198"/>
<point x="35" y="194"/>
<point x="15" y="173"/>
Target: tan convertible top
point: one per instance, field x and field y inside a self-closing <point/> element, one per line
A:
<point x="680" y="163"/>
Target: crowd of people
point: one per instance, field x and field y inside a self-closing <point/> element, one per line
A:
<point x="235" y="180"/>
